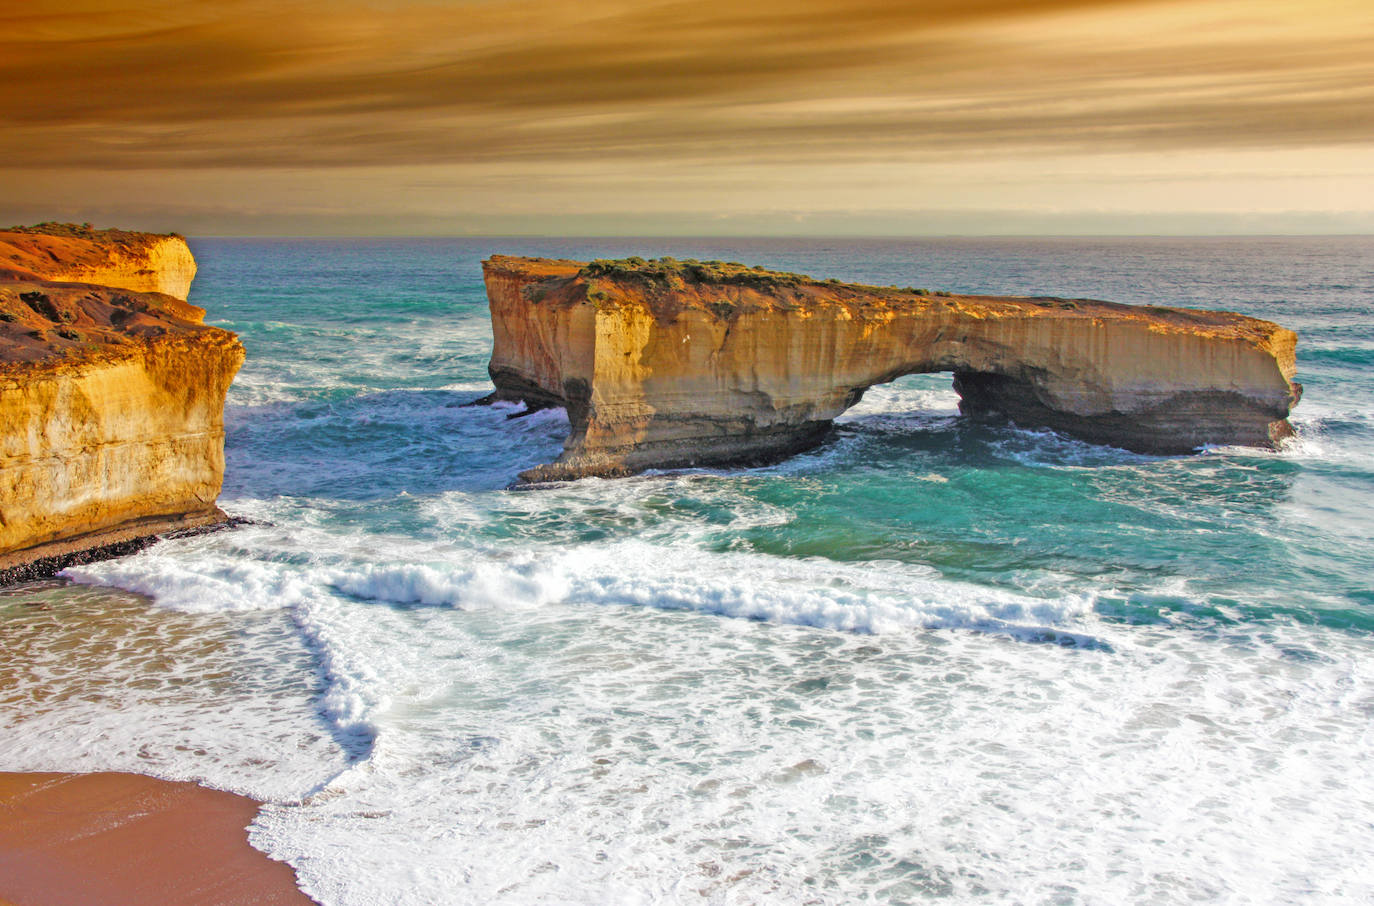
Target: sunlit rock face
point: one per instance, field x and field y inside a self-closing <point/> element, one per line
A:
<point x="143" y="262"/>
<point x="666" y="364"/>
<point x="111" y="401"/>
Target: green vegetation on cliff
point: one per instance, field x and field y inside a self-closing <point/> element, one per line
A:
<point x="85" y="231"/>
<point x="676" y="273"/>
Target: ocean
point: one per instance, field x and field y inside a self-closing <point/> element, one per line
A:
<point x="928" y="660"/>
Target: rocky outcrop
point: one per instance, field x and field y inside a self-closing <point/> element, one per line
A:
<point x="665" y="364"/>
<point x="111" y="401"/>
<point x="142" y="262"/>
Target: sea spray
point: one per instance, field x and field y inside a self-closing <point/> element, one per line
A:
<point x="931" y="659"/>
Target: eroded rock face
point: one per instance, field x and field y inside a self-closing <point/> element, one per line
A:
<point x="670" y="364"/>
<point x="142" y="262"/>
<point x="111" y="406"/>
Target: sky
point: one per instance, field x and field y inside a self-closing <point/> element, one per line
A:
<point x="709" y="117"/>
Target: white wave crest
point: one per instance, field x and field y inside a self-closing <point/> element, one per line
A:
<point x="849" y="597"/>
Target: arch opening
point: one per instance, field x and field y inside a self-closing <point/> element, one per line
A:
<point x="919" y="397"/>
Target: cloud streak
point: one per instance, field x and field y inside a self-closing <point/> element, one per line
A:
<point x="357" y="116"/>
<point x="309" y="84"/>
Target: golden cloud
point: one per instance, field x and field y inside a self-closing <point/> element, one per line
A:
<point x="242" y="83"/>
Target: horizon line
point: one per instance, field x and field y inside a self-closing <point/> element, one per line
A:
<point x="963" y="237"/>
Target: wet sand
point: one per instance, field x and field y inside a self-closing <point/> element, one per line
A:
<point x="86" y="839"/>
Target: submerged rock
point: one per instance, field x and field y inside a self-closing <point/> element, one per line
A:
<point x="111" y="397"/>
<point x="664" y="364"/>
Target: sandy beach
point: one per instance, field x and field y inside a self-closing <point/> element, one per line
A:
<point x="82" y="839"/>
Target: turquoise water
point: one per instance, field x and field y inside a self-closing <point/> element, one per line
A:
<point x="928" y="660"/>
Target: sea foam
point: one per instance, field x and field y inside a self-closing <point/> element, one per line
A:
<point x="931" y="659"/>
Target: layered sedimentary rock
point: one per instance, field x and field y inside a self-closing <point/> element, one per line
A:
<point x="111" y="401"/>
<point x="143" y="262"/>
<point x="665" y="364"/>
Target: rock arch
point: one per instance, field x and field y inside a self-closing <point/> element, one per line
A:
<point x="665" y="364"/>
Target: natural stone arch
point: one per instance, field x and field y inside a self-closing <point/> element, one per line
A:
<point x="665" y="364"/>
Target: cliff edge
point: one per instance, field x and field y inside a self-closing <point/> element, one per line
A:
<point x="665" y="363"/>
<point x="111" y="398"/>
<point x="68" y="253"/>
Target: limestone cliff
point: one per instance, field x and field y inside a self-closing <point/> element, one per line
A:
<point x="143" y="262"/>
<point x="669" y="364"/>
<point x="111" y="401"/>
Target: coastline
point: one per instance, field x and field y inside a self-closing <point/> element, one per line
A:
<point x="115" y="837"/>
<point x="934" y="658"/>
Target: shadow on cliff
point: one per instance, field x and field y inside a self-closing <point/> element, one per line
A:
<point x="373" y="446"/>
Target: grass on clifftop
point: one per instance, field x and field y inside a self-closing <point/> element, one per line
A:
<point x="82" y="231"/>
<point x="675" y="274"/>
